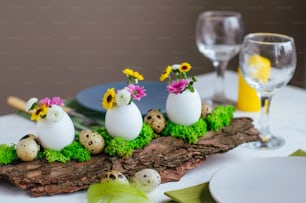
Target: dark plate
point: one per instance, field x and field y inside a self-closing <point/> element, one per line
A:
<point x="156" y="96"/>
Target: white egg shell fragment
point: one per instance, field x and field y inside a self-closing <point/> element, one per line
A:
<point x="113" y="175"/>
<point x="56" y="135"/>
<point x="147" y="179"/>
<point x="184" y="108"/>
<point x="27" y="148"/>
<point x="92" y="141"/>
<point x="124" y="121"/>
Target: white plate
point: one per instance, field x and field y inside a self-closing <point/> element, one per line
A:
<point x="156" y="96"/>
<point x="280" y="179"/>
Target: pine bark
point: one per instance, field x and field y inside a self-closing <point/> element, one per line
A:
<point x="171" y="157"/>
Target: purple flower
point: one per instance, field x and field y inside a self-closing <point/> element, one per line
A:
<point x="177" y="87"/>
<point x="136" y="91"/>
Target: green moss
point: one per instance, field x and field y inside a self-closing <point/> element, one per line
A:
<point x="77" y="152"/>
<point x="221" y="116"/>
<point x="53" y="155"/>
<point x="145" y="137"/>
<point x="188" y="133"/>
<point x="120" y="147"/>
<point x="7" y="154"/>
<point x="74" y="151"/>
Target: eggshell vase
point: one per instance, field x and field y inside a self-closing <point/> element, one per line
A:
<point x="124" y="121"/>
<point x="184" y="108"/>
<point x="56" y="134"/>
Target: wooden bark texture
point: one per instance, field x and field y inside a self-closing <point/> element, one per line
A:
<point x="171" y="157"/>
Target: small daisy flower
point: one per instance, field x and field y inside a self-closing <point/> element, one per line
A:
<point x="55" y="113"/>
<point x="176" y="66"/>
<point x="138" y="76"/>
<point x="31" y="103"/>
<point x="166" y="73"/>
<point x="45" y="101"/>
<point x="128" y="72"/>
<point x="57" y="101"/>
<point x="177" y="87"/>
<point x="184" y="67"/>
<point x="109" y="98"/>
<point x="40" y="112"/>
<point x="137" y="91"/>
<point x="123" y="97"/>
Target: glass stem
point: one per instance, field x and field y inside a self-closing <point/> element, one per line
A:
<point x="264" y="129"/>
<point x="220" y="67"/>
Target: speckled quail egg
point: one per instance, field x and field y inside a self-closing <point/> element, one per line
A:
<point x="206" y="109"/>
<point x="92" y="141"/>
<point x="156" y="120"/>
<point x="27" y="148"/>
<point x="147" y="179"/>
<point x="112" y="175"/>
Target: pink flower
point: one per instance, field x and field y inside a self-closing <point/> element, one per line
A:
<point x="136" y="91"/>
<point x="177" y="87"/>
<point x="49" y="102"/>
<point x="45" y="101"/>
<point x="57" y="101"/>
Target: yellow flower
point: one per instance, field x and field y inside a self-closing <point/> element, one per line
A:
<point x="166" y="73"/>
<point x="128" y="72"/>
<point x="109" y="98"/>
<point x="40" y="112"/>
<point x="138" y="76"/>
<point x="185" y="67"/>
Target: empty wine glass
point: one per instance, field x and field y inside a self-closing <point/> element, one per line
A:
<point x="267" y="63"/>
<point x="218" y="37"/>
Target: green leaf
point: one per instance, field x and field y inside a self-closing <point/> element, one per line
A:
<point x="115" y="192"/>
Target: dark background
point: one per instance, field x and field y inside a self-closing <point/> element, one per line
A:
<point x="53" y="47"/>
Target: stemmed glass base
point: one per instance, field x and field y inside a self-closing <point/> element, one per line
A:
<point x="214" y="101"/>
<point x="219" y="97"/>
<point x="273" y="142"/>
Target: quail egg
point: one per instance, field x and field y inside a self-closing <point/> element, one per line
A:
<point x="27" y="148"/>
<point x="156" y="120"/>
<point x="147" y="179"/>
<point x="112" y="175"/>
<point x="92" y="141"/>
<point x="206" y="109"/>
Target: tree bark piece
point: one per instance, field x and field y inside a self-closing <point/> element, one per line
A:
<point x="171" y="157"/>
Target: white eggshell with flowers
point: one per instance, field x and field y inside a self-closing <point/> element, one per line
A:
<point x="184" y="108"/>
<point x="56" y="134"/>
<point x="124" y="121"/>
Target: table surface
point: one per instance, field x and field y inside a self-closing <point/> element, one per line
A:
<point x="287" y="119"/>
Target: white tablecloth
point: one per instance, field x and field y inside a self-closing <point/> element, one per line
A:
<point x="287" y="119"/>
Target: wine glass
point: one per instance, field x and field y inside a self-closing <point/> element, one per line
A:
<point x="267" y="62"/>
<point x="218" y="37"/>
